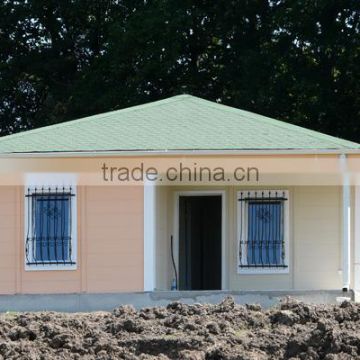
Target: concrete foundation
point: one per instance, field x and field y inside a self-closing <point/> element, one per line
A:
<point x="99" y="302"/>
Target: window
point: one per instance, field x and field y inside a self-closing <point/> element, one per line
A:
<point x="262" y="230"/>
<point x="50" y="235"/>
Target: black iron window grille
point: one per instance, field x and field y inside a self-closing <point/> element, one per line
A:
<point x="49" y="226"/>
<point x="262" y="242"/>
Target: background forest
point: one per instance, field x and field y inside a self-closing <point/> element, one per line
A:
<point x="295" y="60"/>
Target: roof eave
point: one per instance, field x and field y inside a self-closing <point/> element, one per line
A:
<point x="137" y="153"/>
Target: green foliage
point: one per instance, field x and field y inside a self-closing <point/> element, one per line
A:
<point x="296" y="60"/>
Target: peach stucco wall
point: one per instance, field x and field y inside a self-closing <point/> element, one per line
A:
<point x="110" y="244"/>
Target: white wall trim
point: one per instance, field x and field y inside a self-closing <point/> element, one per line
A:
<point x="149" y="236"/>
<point x="52" y="181"/>
<point x="224" y="257"/>
<point x="241" y="233"/>
<point x="357" y="241"/>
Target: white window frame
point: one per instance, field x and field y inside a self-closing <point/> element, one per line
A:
<point x="51" y="182"/>
<point x="242" y="232"/>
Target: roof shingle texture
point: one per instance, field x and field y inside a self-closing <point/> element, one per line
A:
<point x="181" y="122"/>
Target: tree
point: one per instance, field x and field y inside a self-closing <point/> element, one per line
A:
<point x="294" y="60"/>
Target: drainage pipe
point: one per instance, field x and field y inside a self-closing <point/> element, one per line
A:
<point x="346" y="218"/>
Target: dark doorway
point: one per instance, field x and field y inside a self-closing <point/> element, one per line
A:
<point x="200" y="242"/>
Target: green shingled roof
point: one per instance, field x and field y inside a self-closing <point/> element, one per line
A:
<point x="181" y="122"/>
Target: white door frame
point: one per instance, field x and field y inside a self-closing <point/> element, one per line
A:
<point x="224" y="262"/>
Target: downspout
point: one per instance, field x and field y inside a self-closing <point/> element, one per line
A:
<point x="346" y="217"/>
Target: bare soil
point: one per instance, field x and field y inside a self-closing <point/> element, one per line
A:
<point x="225" y="331"/>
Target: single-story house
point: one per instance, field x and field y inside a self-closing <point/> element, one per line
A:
<point x="179" y="194"/>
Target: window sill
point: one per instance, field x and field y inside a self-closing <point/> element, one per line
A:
<point x="50" y="267"/>
<point x="263" y="271"/>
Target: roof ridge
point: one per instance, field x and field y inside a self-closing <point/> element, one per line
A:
<point x="315" y="134"/>
<point x="161" y="102"/>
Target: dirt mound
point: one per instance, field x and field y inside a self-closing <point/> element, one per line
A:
<point x="225" y="331"/>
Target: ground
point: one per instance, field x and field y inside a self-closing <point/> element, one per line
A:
<point x="225" y="331"/>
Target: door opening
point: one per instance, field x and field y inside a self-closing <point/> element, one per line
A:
<point x="200" y="242"/>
